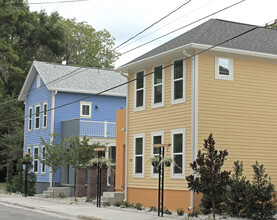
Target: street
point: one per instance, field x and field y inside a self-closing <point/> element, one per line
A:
<point x="15" y="212"/>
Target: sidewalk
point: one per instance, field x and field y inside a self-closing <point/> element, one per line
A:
<point x="87" y="212"/>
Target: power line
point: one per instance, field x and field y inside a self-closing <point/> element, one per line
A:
<point x="122" y="84"/>
<point x="230" y="6"/>
<point x="153" y="24"/>
<point x="42" y="3"/>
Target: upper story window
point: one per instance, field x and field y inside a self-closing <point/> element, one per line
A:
<point x="224" y="68"/>
<point x="157" y="138"/>
<point x="30" y="118"/>
<point x="158" y="87"/>
<point x="42" y="159"/>
<point x="140" y="91"/>
<point x="36" y="159"/>
<point x="85" y="109"/>
<point x="45" y="115"/>
<point x="139" y="155"/>
<point x="178" y="153"/>
<point x="37" y="116"/>
<point x="38" y="81"/>
<point x="29" y="150"/>
<point x="178" y="79"/>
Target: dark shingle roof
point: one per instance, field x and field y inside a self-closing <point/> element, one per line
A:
<point x="214" y="31"/>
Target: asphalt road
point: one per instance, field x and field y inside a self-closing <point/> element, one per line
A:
<point x="18" y="213"/>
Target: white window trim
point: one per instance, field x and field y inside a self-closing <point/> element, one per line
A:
<point x="230" y="77"/>
<point x="81" y="109"/>
<point x="30" y="120"/>
<point x="141" y="108"/>
<point x="153" y="134"/>
<point x="45" y="115"/>
<point x="182" y="100"/>
<point x="38" y="81"/>
<point x="36" y="146"/>
<point x="42" y="160"/>
<point x="161" y="104"/>
<point x="139" y="135"/>
<point x="29" y="147"/>
<point x="178" y="131"/>
<point x="37" y="105"/>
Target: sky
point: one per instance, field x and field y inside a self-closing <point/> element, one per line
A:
<point x="125" y="18"/>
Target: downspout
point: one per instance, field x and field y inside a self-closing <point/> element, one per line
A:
<point x="194" y="114"/>
<point x="54" y="92"/>
<point x="126" y="138"/>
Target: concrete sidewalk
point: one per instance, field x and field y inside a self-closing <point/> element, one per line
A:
<point x="77" y="211"/>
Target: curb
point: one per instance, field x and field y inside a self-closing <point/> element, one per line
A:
<point x="83" y="217"/>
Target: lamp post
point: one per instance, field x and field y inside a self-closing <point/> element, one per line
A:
<point x="26" y="173"/>
<point x="161" y="179"/>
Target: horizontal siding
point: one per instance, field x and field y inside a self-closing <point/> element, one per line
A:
<point x="164" y="118"/>
<point x="242" y="114"/>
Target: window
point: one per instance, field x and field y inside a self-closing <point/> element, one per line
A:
<point x="38" y="81"/>
<point x="223" y="68"/>
<point x="178" y="153"/>
<point x="178" y="82"/>
<point x="29" y="150"/>
<point x="36" y="159"/>
<point x="45" y="115"/>
<point x="42" y="159"/>
<point x="37" y="116"/>
<point x="157" y="138"/>
<point x="140" y="91"/>
<point x="139" y="155"/>
<point x="30" y="118"/>
<point x="85" y="109"/>
<point x="158" y="87"/>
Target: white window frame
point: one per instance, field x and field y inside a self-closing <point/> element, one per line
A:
<point x="178" y="131"/>
<point x="30" y="118"/>
<point x="160" y="104"/>
<point x="45" y="115"/>
<point x="229" y="77"/>
<point x="181" y="100"/>
<point x="139" y="135"/>
<point x="140" y="108"/>
<point x="36" y="159"/>
<point x="153" y="134"/>
<point x="42" y="159"/>
<point x="37" y="117"/>
<point x="38" y="81"/>
<point x="29" y="148"/>
<point x="81" y="109"/>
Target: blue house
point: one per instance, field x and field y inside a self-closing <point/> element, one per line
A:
<point x="61" y="99"/>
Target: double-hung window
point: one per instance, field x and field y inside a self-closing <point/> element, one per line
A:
<point x="85" y="109"/>
<point x="36" y="159"/>
<point x="178" y="153"/>
<point x="42" y="159"/>
<point x="45" y="115"/>
<point x="139" y="155"/>
<point x="37" y="116"/>
<point x="178" y="79"/>
<point x="30" y="118"/>
<point x="140" y="91"/>
<point x="224" y="68"/>
<point x="157" y="138"/>
<point x="158" y="87"/>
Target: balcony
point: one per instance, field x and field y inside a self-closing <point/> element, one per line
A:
<point x="79" y="127"/>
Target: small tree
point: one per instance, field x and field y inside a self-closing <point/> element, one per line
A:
<point x="79" y="153"/>
<point x="10" y="174"/>
<point x="208" y="178"/>
<point x="53" y="156"/>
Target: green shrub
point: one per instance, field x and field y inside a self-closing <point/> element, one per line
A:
<point x="106" y="204"/>
<point x="10" y="174"/>
<point x="167" y="212"/>
<point x="117" y="204"/>
<point x="194" y="212"/>
<point x="152" y="209"/>
<point x="126" y="205"/>
<point x="62" y="195"/>
<point x="138" y="206"/>
<point x="90" y="200"/>
<point x="180" y="211"/>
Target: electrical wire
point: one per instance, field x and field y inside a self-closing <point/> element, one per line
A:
<point x="42" y="3"/>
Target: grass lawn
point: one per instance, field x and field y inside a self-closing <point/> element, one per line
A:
<point x="2" y="187"/>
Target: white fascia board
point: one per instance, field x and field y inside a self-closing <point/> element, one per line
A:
<point x="87" y="92"/>
<point x="27" y="84"/>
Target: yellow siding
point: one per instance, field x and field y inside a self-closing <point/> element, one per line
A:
<point x="164" y="118"/>
<point x="242" y="114"/>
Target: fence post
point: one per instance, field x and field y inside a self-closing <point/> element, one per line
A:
<point x="105" y="129"/>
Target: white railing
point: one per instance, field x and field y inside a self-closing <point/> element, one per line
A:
<point x="97" y="129"/>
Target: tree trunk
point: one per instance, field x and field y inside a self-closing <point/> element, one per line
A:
<point x="75" y="185"/>
<point x="53" y="180"/>
<point x="213" y="207"/>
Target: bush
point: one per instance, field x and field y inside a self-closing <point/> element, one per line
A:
<point x="152" y="209"/>
<point x="206" y="204"/>
<point x="180" y="211"/>
<point x="138" y="206"/>
<point x="117" y="204"/>
<point x="167" y="212"/>
<point x="194" y="212"/>
<point x="62" y="195"/>
<point x="90" y="200"/>
<point x="106" y="204"/>
<point x="10" y="174"/>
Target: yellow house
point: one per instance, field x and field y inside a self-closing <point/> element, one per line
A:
<point x="229" y="90"/>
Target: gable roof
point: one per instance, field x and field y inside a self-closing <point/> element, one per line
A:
<point x="74" y="79"/>
<point x="214" y="31"/>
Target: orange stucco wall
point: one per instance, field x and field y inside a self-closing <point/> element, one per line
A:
<point x="120" y="149"/>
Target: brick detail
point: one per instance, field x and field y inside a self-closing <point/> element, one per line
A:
<point x="112" y="184"/>
<point x="80" y="182"/>
<point x="92" y="181"/>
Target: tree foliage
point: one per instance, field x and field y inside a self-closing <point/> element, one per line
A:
<point x="208" y="178"/>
